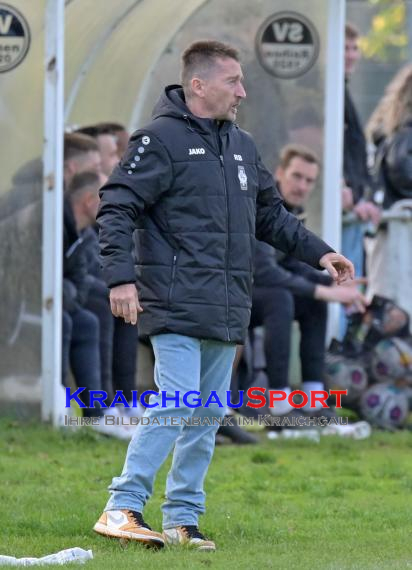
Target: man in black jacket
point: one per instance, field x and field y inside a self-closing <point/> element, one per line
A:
<point x="194" y="190"/>
<point x="286" y="289"/>
<point x="357" y="190"/>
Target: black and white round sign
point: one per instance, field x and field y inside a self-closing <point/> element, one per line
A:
<point x="14" y="37"/>
<point x="287" y="45"/>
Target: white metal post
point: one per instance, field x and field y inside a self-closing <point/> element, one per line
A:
<point x="52" y="266"/>
<point x="333" y="137"/>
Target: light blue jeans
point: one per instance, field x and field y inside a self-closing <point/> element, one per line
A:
<point x="352" y="248"/>
<point x="181" y="363"/>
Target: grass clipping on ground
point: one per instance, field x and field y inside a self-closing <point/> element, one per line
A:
<point x="340" y="504"/>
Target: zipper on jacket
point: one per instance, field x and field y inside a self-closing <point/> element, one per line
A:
<point x="172" y="283"/>
<point x="222" y="165"/>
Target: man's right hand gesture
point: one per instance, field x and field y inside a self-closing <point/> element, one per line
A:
<point x="124" y="302"/>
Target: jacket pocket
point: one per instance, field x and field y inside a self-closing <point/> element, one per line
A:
<point x="173" y="278"/>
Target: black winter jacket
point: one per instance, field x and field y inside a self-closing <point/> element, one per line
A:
<point x="394" y="158"/>
<point x="198" y="196"/>
<point x="75" y="283"/>
<point x="355" y="169"/>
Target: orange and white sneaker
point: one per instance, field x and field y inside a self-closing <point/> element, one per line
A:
<point x="188" y="535"/>
<point x="127" y="525"/>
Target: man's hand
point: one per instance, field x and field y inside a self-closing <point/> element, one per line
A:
<point x="367" y="211"/>
<point x="338" y="267"/>
<point x="346" y="294"/>
<point x="347" y="198"/>
<point x="124" y="302"/>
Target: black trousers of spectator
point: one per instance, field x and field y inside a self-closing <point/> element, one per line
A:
<point x="124" y="364"/>
<point x="81" y="351"/>
<point x="276" y="309"/>
<point x="118" y="347"/>
<point x="98" y="304"/>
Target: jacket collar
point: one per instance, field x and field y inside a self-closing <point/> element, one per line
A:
<point x="172" y="104"/>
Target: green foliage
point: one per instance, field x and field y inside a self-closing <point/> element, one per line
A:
<point x="337" y="505"/>
<point x="387" y="39"/>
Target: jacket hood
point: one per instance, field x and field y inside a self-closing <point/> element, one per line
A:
<point x="172" y="104"/>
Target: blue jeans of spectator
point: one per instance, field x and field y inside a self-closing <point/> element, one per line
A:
<point x="181" y="363"/>
<point x="352" y="248"/>
<point x="81" y="350"/>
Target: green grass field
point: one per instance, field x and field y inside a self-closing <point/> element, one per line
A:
<point x="340" y="504"/>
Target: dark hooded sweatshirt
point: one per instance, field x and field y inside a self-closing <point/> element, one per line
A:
<point x="197" y="196"/>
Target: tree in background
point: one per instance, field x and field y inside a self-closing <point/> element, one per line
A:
<point x="388" y="37"/>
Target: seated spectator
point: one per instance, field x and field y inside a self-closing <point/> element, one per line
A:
<point x="107" y="146"/>
<point x="81" y="328"/>
<point x="81" y="153"/>
<point x="286" y="289"/>
<point x="118" y="343"/>
<point x="118" y="340"/>
<point x="120" y="134"/>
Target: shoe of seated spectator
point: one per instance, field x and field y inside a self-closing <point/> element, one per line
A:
<point x="188" y="535"/>
<point x="357" y="430"/>
<point x="136" y="411"/>
<point x="238" y="435"/>
<point x="128" y="525"/>
<point x="118" y="431"/>
<point x="299" y="433"/>
<point x="294" y="425"/>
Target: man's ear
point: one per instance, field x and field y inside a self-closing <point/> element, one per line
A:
<point x="197" y="86"/>
<point x="278" y="173"/>
<point x="68" y="167"/>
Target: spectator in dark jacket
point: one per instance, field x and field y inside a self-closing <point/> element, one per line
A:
<point x="390" y="127"/>
<point x="193" y="186"/>
<point x="286" y="289"/>
<point x="80" y="327"/>
<point x="83" y="328"/>
<point x="118" y="339"/>
<point x="358" y="186"/>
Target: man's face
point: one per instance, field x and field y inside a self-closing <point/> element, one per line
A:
<point x="352" y="55"/>
<point x="122" y="140"/>
<point x="91" y="205"/>
<point x="91" y="200"/>
<point x="297" y="181"/>
<point x="223" y="90"/>
<point x="88" y="161"/>
<point x="108" y="153"/>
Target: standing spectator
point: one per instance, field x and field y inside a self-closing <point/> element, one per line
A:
<point x="390" y="128"/>
<point x="198" y="196"/>
<point x="357" y="186"/>
<point x="357" y="190"/>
